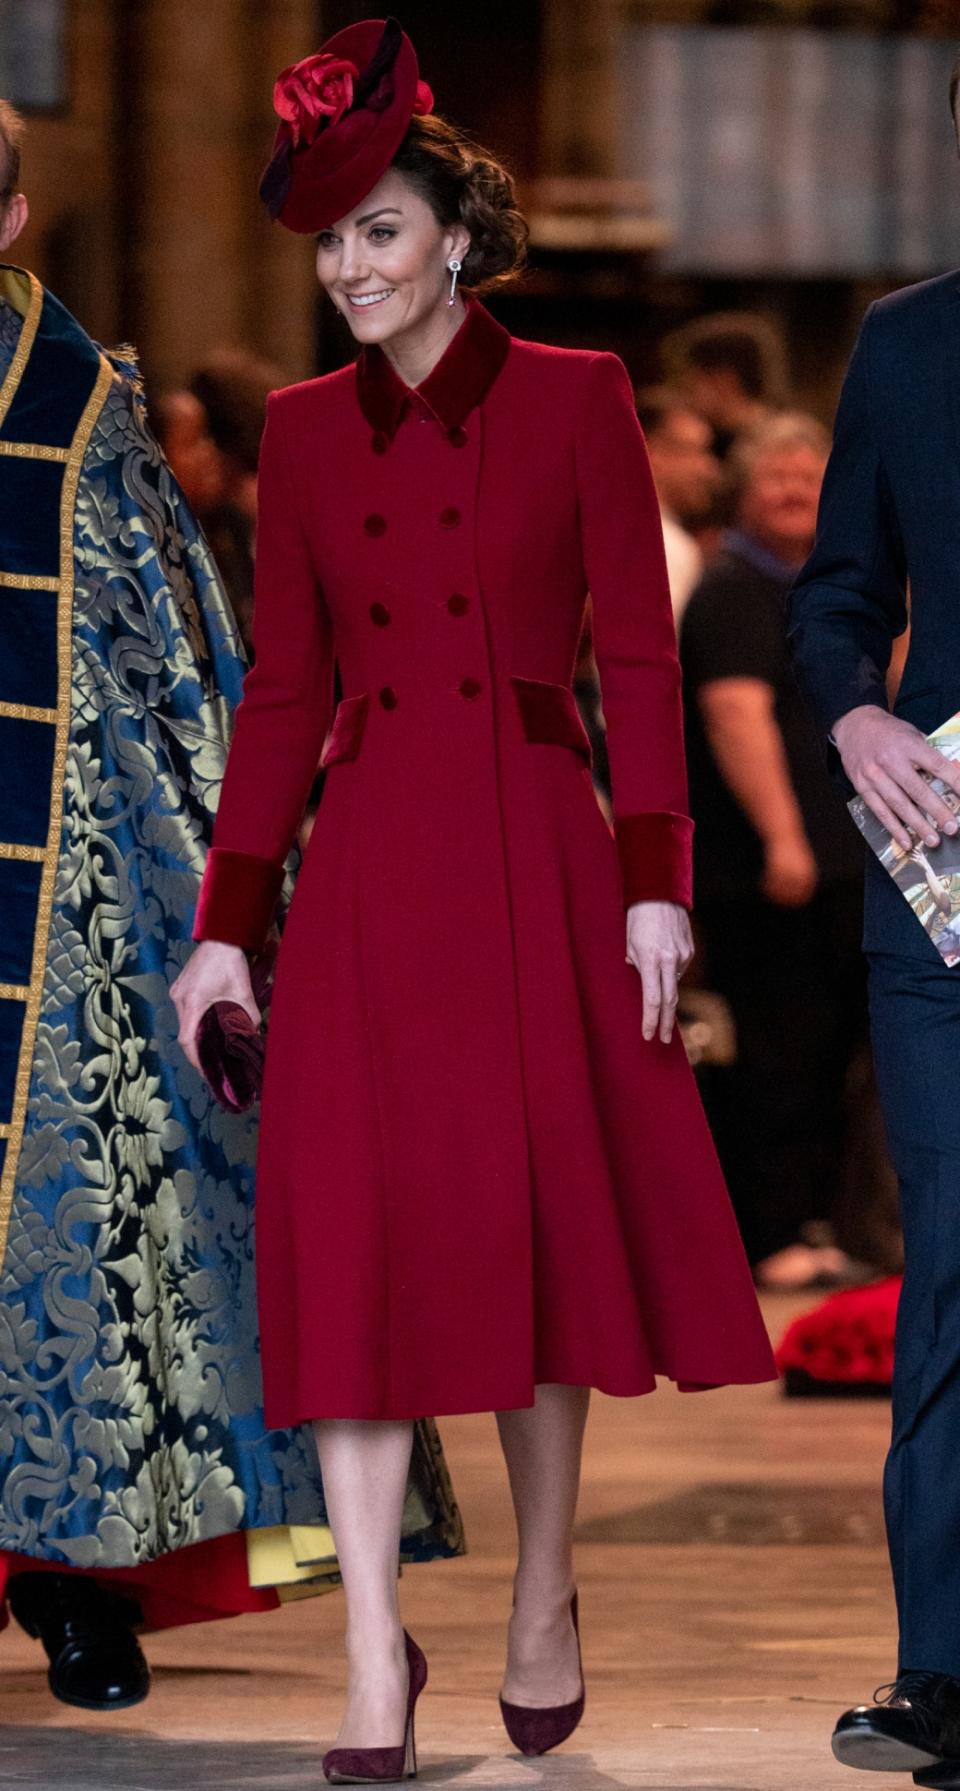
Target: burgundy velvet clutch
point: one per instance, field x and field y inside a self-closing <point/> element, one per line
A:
<point x="231" y="1048"/>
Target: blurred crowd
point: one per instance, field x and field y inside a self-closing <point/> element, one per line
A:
<point x="210" y="431"/>
<point x="775" y="1009"/>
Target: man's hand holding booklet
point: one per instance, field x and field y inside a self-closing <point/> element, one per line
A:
<point x="917" y="845"/>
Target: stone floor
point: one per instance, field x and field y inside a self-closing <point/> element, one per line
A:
<point x="734" y="1596"/>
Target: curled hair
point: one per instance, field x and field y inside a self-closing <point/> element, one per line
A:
<point x="461" y="183"/>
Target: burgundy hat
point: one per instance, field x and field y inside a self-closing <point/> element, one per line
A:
<point x="343" y="115"/>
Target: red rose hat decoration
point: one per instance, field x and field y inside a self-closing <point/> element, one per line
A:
<point x="310" y="92"/>
<point x="343" y="114"/>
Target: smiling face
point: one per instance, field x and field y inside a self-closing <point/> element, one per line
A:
<point x="385" y="265"/>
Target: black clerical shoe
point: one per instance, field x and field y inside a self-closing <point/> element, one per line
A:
<point x="913" y="1726"/>
<point x="87" y="1629"/>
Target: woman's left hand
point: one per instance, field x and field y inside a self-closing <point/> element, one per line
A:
<point x="660" y="947"/>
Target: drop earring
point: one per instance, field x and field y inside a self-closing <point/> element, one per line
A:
<point x="454" y="266"/>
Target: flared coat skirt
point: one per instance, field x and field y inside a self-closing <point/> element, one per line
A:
<point x="476" y="1175"/>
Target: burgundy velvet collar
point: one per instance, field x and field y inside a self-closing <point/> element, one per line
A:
<point x="459" y="382"/>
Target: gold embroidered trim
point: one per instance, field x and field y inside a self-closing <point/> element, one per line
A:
<point x="34" y="451"/>
<point x="50" y="855"/>
<point x="27" y="854"/>
<point x="25" y="712"/>
<point x="31" y="324"/>
<point x="27" y="581"/>
<point x="4" y="1131"/>
<point x="13" y="992"/>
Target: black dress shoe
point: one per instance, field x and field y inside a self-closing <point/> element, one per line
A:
<point x="87" y="1629"/>
<point x="913" y="1726"/>
<point x="945" y="1777"/>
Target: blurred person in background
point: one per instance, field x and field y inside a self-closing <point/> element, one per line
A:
<point x="731" y="368"/>
<point x="136" y="1465"/>
<point x="233" y="385"/>
<point x="778" y="865"/>
<point x="211" y="434"/>
<point x="180" y="425"/>
<point x="889" y="521"/>
<point x="686" y="473"/>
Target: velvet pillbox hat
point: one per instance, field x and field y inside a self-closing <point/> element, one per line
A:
<point x="343" y="115"/>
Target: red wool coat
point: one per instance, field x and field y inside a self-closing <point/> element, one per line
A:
<point x="475" y="1174"/>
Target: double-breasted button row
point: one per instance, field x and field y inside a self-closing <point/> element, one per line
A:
<point x="470" y="689"/>
<point x="457" y="605"/>
<point x="375" y="525"/>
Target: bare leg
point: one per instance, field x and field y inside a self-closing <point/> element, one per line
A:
<point x="364" y="1466"/>
<point x="543" y="1447"/>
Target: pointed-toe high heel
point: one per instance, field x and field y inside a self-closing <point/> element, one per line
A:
<point x="535" y="1731"/>
<point x="383" y="1765"/>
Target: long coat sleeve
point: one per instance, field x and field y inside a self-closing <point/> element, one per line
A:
<point x="849" y="602"/>
<point x="634" y="640"/>
<point x="282" y="719"/>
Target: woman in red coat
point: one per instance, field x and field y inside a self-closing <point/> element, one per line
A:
<point x="485" y="1180"/>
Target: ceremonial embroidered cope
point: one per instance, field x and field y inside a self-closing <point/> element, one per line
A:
<point x="49" y="403"/>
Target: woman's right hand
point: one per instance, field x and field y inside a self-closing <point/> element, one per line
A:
<point x="215" y="972"/>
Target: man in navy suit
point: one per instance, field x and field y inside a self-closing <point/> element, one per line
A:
<point x="890" y="514"/>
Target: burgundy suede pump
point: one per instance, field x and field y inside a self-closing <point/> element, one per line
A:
<point x="383" y="1765"/>
<point x="535" y="1731"/>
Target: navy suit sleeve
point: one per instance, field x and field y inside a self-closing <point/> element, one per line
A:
<point x="849" y="601"/>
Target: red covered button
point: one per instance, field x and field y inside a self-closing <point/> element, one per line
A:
<point x="457" y="438"/>
<point x="450" y="517"/>
<point x="380" y="614"/>
<point x="375" y="525"/>
<point x="470" y="688"/>
<point x="380" y="441"/>
<point x="388" y="697"/>
<point x="458" y="604"/>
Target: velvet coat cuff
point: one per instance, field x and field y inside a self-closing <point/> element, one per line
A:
<point x="656" y="858"/>
<point x="238" y="896"/>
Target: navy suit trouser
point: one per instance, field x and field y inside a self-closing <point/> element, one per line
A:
<point x="915" y="1016"/>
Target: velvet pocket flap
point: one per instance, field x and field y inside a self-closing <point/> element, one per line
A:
<point x="343" y="740"/>
<point x="550" y="716"/>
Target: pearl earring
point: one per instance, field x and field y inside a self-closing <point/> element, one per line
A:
<point x="454" y="266"/>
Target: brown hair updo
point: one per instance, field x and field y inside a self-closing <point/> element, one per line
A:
<point x="461" y="183"/>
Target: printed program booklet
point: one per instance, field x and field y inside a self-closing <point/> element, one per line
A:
<point x="928" y="876"/>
